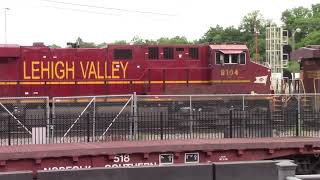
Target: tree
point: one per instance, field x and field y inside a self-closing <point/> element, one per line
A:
<point x="219" y="34"/>
<point x="253" y="24"/>
<point x="120" y="42"/>
<point x="54" y="46"/>
<point x="174" y="40"/>
<point x="138" y="40"/>
<point x="294" y="66"/>
<point x="213" y="35"/>
<point x="101" y="45"/>
<point x="312" y="38"/>
<point x="297" y="18"/>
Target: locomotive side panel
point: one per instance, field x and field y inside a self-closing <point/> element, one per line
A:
<point x="9" y="56"/>
<point x="36" y="67"/>
<point x="178" y="69"/>
<point x="126" y="64"/>
<point x="123" y="69"/>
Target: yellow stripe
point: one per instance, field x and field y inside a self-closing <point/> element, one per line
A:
<point x="125" y="82"/>
<point x="63" y="82"/>
<point x="8" y="83"/>
<point x="235" y="81"/>
<point x="140" y="82"/>
<point x="118" y="82"/>
<point x="32" y="83"/>
<point x="176" y="82"/>
<point x="198" y="82"/>
<point x="90" y="82"/>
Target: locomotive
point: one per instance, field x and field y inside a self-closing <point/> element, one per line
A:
<point x="122" y="69"/>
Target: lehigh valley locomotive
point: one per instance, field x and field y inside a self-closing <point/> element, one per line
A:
<point x="122" y="69"/>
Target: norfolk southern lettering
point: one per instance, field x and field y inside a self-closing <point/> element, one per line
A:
<point x="70" y="70"/>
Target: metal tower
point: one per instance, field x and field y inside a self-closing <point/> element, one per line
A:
<point x="276" y="37"/>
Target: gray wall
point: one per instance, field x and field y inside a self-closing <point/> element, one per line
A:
<point x="21" y="175"/>
<point x="192" y="172"/>
<point x="249" y="170"/>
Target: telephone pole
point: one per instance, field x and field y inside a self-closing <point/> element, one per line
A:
<point x="5" y="24"/>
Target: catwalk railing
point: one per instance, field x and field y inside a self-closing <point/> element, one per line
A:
<point x="159" y="126"/>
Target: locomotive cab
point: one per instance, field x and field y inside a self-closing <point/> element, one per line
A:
<point x="231" y="69"/>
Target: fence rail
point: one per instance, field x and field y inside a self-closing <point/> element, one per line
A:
<point x="159" y="126"/>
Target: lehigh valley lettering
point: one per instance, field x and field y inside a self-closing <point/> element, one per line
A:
<point x="64" y="70"/>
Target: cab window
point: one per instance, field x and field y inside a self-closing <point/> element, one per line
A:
<point x="230" y="58"/>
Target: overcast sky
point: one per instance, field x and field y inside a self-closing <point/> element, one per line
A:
<point x="51" y="21"/>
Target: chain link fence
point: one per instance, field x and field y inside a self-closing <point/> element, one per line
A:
<point x="149" y="117"/>
<point x="278" y="112"/>
<point x="72" y="114"/>
<point x="15" y="126"/>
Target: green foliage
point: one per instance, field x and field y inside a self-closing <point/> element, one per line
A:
<point x="251" y="24"/>
<point x="174" y="40"/>
<point x="137" y="40"/>
<point x="81" y="44"/>
<point x="294" y="66"/>
<point x="120" y="42"/>
<point x="312" y="38"/>
<point x="305" y="19"/>
<point x="163" y="40"/>
<point x="54" y="46"/>
<point x="220" y="35"/>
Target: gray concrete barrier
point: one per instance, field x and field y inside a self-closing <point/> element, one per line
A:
<point x="247" y="170"/>
<point x="176" y="172"/>
<point x="19" y="175"/>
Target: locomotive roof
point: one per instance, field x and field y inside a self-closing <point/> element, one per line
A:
<point x="229" y="46"/>
<point x="309" y="52"/>
<point x="9" y="50"/>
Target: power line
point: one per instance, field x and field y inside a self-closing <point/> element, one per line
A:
<point x="102" y="7"/>
<point x="79" y="10"/>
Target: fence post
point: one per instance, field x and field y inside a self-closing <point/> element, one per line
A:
<point x="230" y="124"/>
<point x="161" y="125"/>
<point x="297" y="122"/>
<point x="9" y="130"/>
<point x="88" y="127"/>
<point x="190" y="117"/>
<point x="135" y="112"/>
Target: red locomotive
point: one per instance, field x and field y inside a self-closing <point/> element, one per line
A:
<point x="122" y="69"/>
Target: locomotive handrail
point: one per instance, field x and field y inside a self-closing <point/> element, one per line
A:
<point x="314" y="84"/>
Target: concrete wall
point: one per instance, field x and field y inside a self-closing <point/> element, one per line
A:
<point x="191" y="172"/>
<point x="22" y="175"/>
<point x="247" y="170"/>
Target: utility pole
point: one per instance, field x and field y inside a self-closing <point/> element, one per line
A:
<point x="293" y="37"/>
<point x="256" y="32"/>
<point x="5" y="24"/>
